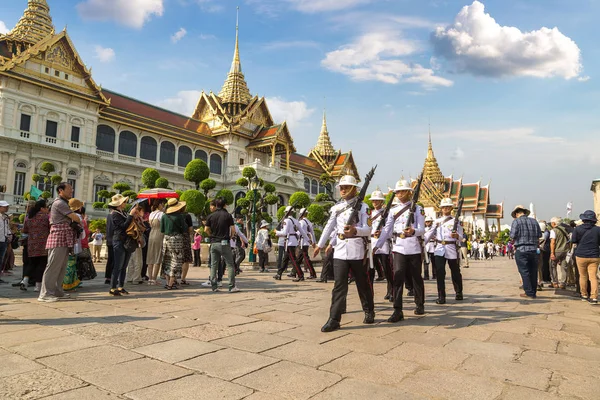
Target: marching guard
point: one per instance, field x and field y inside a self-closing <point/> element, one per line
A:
<point x="287" y="242"/>
<point x="306" y="240"/>
<point x="446" y="249"/>
<point x="349" y="254"/>
<point x="406" y="247"/>
<point x="381" y="257"/>
<point x="429" y="248"/>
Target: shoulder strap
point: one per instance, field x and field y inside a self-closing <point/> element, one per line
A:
<point x="399" y="213"/>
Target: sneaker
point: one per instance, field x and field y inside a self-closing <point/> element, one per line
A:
<point x="594" y="301"/>
<point x="114" y="292"/>
<point x="220" y="284"/>
<point x="216" y="290"/>
<point x="583" y="298"/>
<point x="234" y="289"/>
<point x="123" y="291"/>
<point x="49" y="299"/>
<point x="206" y="284"/>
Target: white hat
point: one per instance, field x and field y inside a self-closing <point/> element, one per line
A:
<point x="263" y="223"/>
<point x="429" y="218"/>
<point x="303" y="212"/>
<point x="447" y="202"/>
<point x="347" y="180"/>
<point x="402" y="185"/>
<point x="287" y="209"/>
<point x="377" y="195"/>
<point x="4" y="204"/>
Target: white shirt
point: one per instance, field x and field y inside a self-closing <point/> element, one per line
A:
<point x="287" y="233"/>
<point x="261" y="238"/>
<point x="238" y="232"/>
<point x="4" y="228"/>
<point x="97" y="239"/>
<point x="443" y="232"/>
<point x="429" y="244"/>
<point x="301" y="234"/>
<point x="409" y="245"/>
<point x="378" y="214"/>
<point x="308" y="237"/>
<point x="352" y="248"/>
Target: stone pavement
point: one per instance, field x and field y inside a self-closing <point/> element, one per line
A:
<point x="264" y="343"/>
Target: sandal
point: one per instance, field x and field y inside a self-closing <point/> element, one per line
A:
<point x="184" y="282"/>
<point x="152" y="282"/>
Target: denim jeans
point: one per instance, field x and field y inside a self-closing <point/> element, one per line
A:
<point x="120" y="261"/>
<point x="527" y="263"/>
<point x="218" y="250"/>
<point x="3" y="246"/>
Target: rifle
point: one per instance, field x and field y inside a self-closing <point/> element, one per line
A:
<point x="415" y="199"/>
<point x="287" y="214"/>
<point x="361" y="196"/>
<point x="458" y="212"/>
<point x="385" y="214"/>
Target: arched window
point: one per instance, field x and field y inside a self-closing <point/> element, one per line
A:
<point x="216" y="164"/>
<point x="185" y="156"/>
<point x="281" y="201"/>
<point x="148" y="148"/>
<point x="105" y="138"/>
<point x="307" y="185"/>
<point x="201" y="155"/>
<point x="128" y="144"/>
<point x="167" y="153"/>
<point x="321" y="188"/>
<point x="314" y="186"/>
<point x="238" y="195"/>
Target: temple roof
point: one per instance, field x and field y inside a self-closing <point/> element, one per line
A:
<point x="431" y="168"/>
<point x="324" y="146"/>
<point x="235" y="90"/>
<point x="35" y="24"/>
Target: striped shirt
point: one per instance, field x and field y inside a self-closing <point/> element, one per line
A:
<point x="526" y="233"/>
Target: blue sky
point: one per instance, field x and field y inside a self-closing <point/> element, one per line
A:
<point x="509" y="86"/>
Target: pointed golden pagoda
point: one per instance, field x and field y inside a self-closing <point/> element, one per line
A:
<point x="433" y="180"/>
<point x="235" y="94"/>
<point x="431" y="169"/>
<point x="35" y="24"/>
<point x="324" y="146"/>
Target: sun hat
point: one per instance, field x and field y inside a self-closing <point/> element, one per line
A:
<point x="447" y="202"/>
<point x="174" y="205"/>
<point x="4" y="203"/>
<point x="429" y="218"/>
<point x="75" y="204"/>
<point x="263" y="223"/>
<point x="589" y="215"/>
<point x="402" y="184"/>
<point x="117" y="200"/>
<point x="347" y="180"/>
<point x="520" y="207"/>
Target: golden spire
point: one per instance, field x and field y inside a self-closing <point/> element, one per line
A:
<point x="431" y="170"/>
<point x="324" y="146"/>
<point x="235" y="90"/>
<point x="35" y="24"/>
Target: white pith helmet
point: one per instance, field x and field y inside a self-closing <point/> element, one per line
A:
<point x="288" y="208"/>
<point x="447" y="202"/>
<point x="348" y="180"/>
<point x="377" y="195"/>
<point x="302" y="212"/>
<point x="402" y="184"/>
<point x="429" y="218"/>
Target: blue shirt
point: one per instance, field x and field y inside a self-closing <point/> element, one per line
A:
<point x="526" y="233"/>
<point x="587" y="237"/>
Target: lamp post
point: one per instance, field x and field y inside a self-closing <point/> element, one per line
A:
<point x="253" y="185"/>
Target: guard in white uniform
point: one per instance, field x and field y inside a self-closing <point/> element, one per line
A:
<point x="446" y="250"/>
<point x="306" y="240"/>
<point x="327" y="269"/>
<point x="406" y="249"/>
<point x="287" y="242"/>
<point x="429" y="249"/>
<point x="381" y="258"/>
<point x="349" y="254"/>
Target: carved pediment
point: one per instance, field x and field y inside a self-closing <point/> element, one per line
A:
<point x="59" y="54"/>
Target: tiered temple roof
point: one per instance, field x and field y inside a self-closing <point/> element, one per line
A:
<point x="35" y="24"/>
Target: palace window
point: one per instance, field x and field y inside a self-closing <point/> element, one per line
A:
<point x="47" y="70"/>
<point x="105" y="138"/>
<point x="19" y="189"/>
<point x="321" y="188"/>
<point x="75" y="134"/>
<point x="67" y="77"/>
<point x="201" y="155"/>
<point x="148" y="148"/>
<point x="73" y="183"/>
<point x="185" y="156"/>
<point x="307" y="185"/>
<point x="51" y="128"/>
<point x="167" y="153"/>
<point x="56" y="73"/>
<point x="99" y="188"/>
<point x="127" y="144"/>
<point x="314" y="186"/>
<point x="216" y="164"/>
<point x="25" y="122"/>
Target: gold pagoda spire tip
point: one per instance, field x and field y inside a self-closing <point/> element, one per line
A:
<point x="324" y="146"/>
<point x="35" y="24"/>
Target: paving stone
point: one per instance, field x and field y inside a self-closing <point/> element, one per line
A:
<point x="429" y="356"/>
<point x="269" y="326"/>
<point x="133" y="375"/>
<point x="289" y="380"/>
<point x="508" y="372"/>
<point x="228" y="364"/>
<point x="144" y="337"/>
<point x="381" y="370"/>
<point x="428" y="338"/>
<point x="263" y="396"/>
<point x="311" y="354"/>
<point x="451" y="385"/>
<point x="102" y="356"/>
<point x="561" y="363"/>
<point x="498" y="350"/>
<point x="350" y="389"/>
<point x="208" y="332"/>
<point x="174" y="351"/>
<point x="85" y="393"/>
<point x="103" y="330"/>
<point x="364" y="344"/>
<point x="311" y="334"/>
<point x="583" y="387"/>
<point x="15" y="338"/>
<point x="562" y="336"/>
<point x="523" y="393"/>
<point x="525" y="341"/>
<point x="37" y="384"/>
<point x="253" y="341"/>
<point x="513" y="326"/>
<point x="575" y="350"/>
<point x="289" y="318"/>
<point x="49" y="347"/>
<point x="470" y="332"/>
<point x="14" y="364"/>
<point x="192" y="387"/>
<point x="246" y="310"/>
<point x="14" y="324"/>
<point x="575" y="321"/>
<point x="168" y="324"/>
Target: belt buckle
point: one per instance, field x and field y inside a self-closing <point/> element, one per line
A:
<point x="402" y="236"/>
<point x="341" y="236"/>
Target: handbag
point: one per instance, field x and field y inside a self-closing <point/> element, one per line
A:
<point x="130" y="244"/>
<point x="14" y="242"/>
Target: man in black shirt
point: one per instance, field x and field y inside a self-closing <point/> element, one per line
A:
<point x="220" y="228"/>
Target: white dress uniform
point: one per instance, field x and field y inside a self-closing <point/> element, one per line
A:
<point x="287" y="242"/>
<point x="381" y="258"/>
<point x="376" y="216"/>
<point x="346" y="249"/>
<point x="306" y="228"/>
<point x="394" y="229"/>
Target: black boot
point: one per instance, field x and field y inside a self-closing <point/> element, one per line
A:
<point x="369" y="317"/>
<point x="420" y="310"/>
<point x="411" y="293"/>
<point x="386" y="297"/>
<point x="440" y="300"/>
<point x="459" y="296"/>
<point x="397" y="316"/>
<point x="330" y="326"/>
<point x="277" y="277"/>
<point x="299" y="279"/>
<point x="322" y="280"/>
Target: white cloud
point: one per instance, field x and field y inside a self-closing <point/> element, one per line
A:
<point x="209" y="5"/>
<point x="293" y="112"/>
<point x="132" y="13"/>
<point x="183" y="103"/>
<point x="504" y="137"/>
<point x="457" y="154"/>
<point x="177" y="36"/>
<point x="475" y="43"/>
<point x="207" y="36"/>
<point x="3" y="28"/>
<point x="105" y="55"/>
<point x="376" y="56"/>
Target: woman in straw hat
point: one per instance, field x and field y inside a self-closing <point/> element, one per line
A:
<point x="173" y="226"/>
<point x="263" y="246"/>
<point x="120" y="221"/>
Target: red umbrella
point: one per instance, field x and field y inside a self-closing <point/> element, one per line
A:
<point x="158" y="194"/>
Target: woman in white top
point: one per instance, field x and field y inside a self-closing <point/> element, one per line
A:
<point x="262" y="245"/>
<point x="155" y="241"/>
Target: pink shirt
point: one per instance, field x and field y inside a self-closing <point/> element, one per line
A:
<point x="197" y="241"/>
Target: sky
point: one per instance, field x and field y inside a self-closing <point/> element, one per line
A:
<point x="507" y="87"/>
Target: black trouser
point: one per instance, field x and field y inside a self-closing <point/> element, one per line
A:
<point x="327" y="270"/>
<point x="304" y="258"/>
<point x="408" y="278"/>
<point x="34" y="269"/>
<point x="340" y="288"/>
<point x="238" y="256"/>
<point x="383" y="262"/>
<point x="197" y="260"/>
<point x="440" y="266"/>
<point x="289" y="254"/>
<point x="546" y="266"/>
<point x="110" y="261"/>
<point x="25" y="258"/>
<point x="402" y="264"/>
<point x="379" y="268"/>
<point x="145" y="256"/>
<point x="426" y="266"/>
<point x="263" y="259"/>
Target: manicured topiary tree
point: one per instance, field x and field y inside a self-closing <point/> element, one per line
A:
<point x="299" y="200"/>
<point x="121" y="187"/>
<point x="317" y="214"/>
<point x="196" y="171"/>
<point x="207" y="185"/>
<point x="194" y="201"/>
<point x="162" y="183"/>
<point x="149" y="177"/>
<point x="225" y="194"/>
